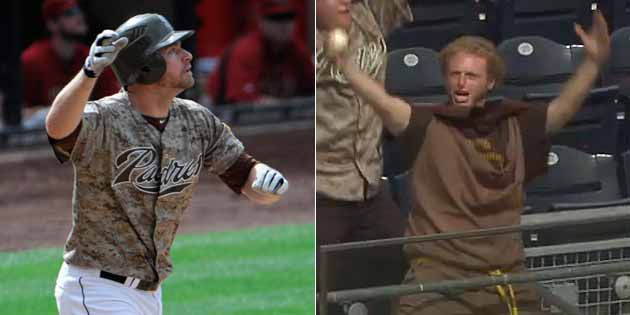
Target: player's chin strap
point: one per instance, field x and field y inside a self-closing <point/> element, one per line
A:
<point x="508" y="297"/>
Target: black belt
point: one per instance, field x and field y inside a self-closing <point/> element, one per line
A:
<point x="131" y="282"/>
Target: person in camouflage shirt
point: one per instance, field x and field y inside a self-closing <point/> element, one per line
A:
<point x="353" y="202"/>
<point x="137" y="157"/>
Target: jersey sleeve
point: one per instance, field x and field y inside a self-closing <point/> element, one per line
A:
<point x="63" y="147"/>
<point x="236" y="175"/>
<point x="91" y="137"/>
<point x="223" y="148"/>
<point x="536" y="142"/>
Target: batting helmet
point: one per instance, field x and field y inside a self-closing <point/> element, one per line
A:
<point x="140" y="61"/>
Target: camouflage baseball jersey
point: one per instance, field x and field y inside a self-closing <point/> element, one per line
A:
<point x="349" y="161"/>
<point x="132" y="183"/>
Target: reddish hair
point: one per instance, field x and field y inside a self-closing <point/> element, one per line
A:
<point x="478" y="46"/>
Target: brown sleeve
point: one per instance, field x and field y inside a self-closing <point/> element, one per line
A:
<point x="536" y="142"/>
<point x="413" y="136"/>
<point x="63" y="147"/>
<point x="236" y="175"/>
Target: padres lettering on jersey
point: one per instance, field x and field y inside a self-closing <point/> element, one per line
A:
<point x="369" y="58"/>
<point x="133" y="182"/>
<point x="140" y="167"/>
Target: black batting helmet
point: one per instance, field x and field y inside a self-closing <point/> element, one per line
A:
<point x="140" y="61"/>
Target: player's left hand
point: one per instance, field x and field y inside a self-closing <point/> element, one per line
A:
<point x="596" y="41"/>
<point x="269" y="180"/>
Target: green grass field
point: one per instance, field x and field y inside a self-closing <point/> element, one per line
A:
<point x="257" y="271"/>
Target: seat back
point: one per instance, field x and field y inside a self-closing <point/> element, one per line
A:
<point x="550" y="19"/>
<point x="574" y="176"/>
<point x="595" y="128"/>
<point x="438" y="22"/>
<point x="534" y="64"/>
<point x="414" y="72"/>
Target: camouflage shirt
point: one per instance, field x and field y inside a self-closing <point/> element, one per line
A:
<point x="133" y="182"/>
<point x="349" y="160"/>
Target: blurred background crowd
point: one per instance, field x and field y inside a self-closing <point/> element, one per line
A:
<point x="246" y="52"/>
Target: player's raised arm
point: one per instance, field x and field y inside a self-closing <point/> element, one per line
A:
<point x="264" y="185"/>
<point x="394" y="111"/>
<point x="597" y="47"/>
<point x="66" y="110"/>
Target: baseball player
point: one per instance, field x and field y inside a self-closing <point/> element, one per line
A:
<point x="137" y="156"/>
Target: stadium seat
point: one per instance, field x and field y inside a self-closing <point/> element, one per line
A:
<point x="595" y="128"/>
<point x="576" y="177"/>
<point x="534" y="64"/>
<point x="591" y="231"/>
<point x="617" y="12"/>
<point x="416" y="75"/>
<point x="618" y="71"/>
<point x="400" y="187"/>
<point x="437" y="22"/>
<point x="621" y="14"/>
<point x="578" y="180"/>
<point x="577" y="55"/>
<point x="393" y="158"/>
<point x="550" y="19"/>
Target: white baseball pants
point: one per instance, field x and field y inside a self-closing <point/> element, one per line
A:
<point x="81" y="291"/>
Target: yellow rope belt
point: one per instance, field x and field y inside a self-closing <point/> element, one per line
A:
<point x="505" y="292"/>
<point x="509" y="298"/>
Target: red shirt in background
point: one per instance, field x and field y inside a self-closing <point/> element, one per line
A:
<point x="224" y="21"/>
<point x="253" y="71"/>
<point x="221" y="23"/>
<point x="44" y="73"/>
<point x="301" y="20"/>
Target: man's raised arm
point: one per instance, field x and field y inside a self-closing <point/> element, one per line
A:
<point x="394" y="111"/>
<point x="67" y="108"/>
<point x="597" y="47"/>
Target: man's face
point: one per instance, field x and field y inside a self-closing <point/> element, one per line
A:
<point x="178" y="73"/>
<point x="71" y="25"/>
<point x="333" y="14"/>
<point x="278" y="28"/>
<point x="467" y="79"/>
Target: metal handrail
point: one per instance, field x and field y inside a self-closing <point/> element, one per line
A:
<point x="449" y="286"/>
<point x="530" y="222"/>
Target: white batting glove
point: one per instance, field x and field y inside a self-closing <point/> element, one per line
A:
<point x="103" y="52"/>
<point x="269" y="180"/>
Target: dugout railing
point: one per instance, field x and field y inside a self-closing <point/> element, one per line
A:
<point x="590" y="278"/>
<point x="244" y="118"/>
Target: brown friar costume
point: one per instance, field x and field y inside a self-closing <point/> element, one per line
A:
<point x="469" y="168"/>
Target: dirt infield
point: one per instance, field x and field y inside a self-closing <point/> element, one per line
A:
<point x="36" y="192"/>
